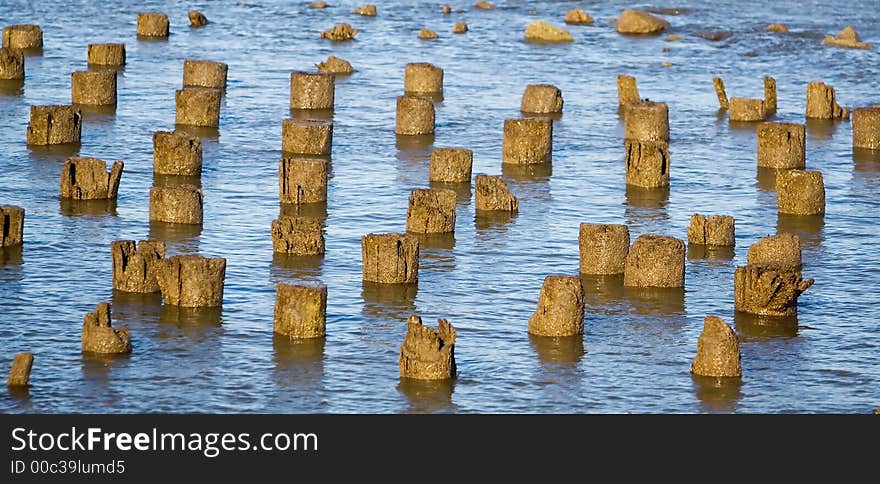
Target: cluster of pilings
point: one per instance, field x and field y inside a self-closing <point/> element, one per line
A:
<point x="768" y="285"/>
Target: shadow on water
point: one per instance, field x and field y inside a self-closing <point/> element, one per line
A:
<point x="766" y="179"/>
<point x="308" y="210"/>
<point x="182" y="238"/>
<point x="11" y="88"/>
<point x="169" y="181"/>
<point x="202" y="132"/>
<point x="718" y="394"/>
<point x="567" y="351"/>
<point x="287" y="267"/>
<point x="389" y="301"/>
<point x="462" y="190"/>
<point x="97" y="114"/>
<point x="77" y="208"/>
<point x="808" y="227"/>
<point x="427" y="396"/>
<point x="298" y="362"/>
<point x="761" y="328"/>
<point x="655" y="300"/>
<point x="493" y="220"/>
<point x="312" y="114"/>
<point x="821" y="129"/>
<point x="697" y="252"/>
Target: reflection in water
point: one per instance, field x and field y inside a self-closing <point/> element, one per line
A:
<point x="710" y="252"/>
<point x="655" y="300"/>
<point x="197" y="319"/>
<point x="287" y="267"/>
<point x="414" y="147"/>
<point x="311" y="114"/>
<point x="760" y="328"/>
<point x="427" y="396"/>
<point x="11" y="88"/>
<point x="866" y="160"/>
<point x="821" y="129"/>
<point x="298" y="363"/>
<point x="101" y="67"/>
<point x="11" y="255"/>
<point x="133" y="307"/>
<point x="55" y="153"/>
<point x="494" y="220"/>
<point x="462" y="190"/>
<point x="534" y="172"/>
<point x="202" y="132"/>
<point x="743" y="126"/>
<point x="566" y="351"/>
<point x="169" y="181"/>
<point x="435" y="252"/>
<point x="807" y="227"/>
<point x="718" y="394"/>
<point x="645" y="204"/>
<point x="96" y="367"/>
<point x="75" y="208"/>
<point x="22" y="394"/>
<point x="436" y="97"/>
<point x="389" y="301"/>
<point x="97" y="114"/>
<point x="603" y="293"/>
<point x="766" y="178"/>
<point x="308" y="210"/>
<point x="182" y="238"/>
<point x="550" y="116"/>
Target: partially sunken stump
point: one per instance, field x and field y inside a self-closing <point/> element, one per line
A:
<point x="428" y="353"/>
<point x="768" y="290"/>
<point x="312" y="90"/>
<point x="306" y="137"/>
<point x="192" y="280"/>
<point x="800" y="192"/>
<point x="647" y="163"/>
<point x="11" y="225"/>
<point x="180" y="204"/>
<point x="390" y="258"/>
<point x="20" y="373"/>
<point x="527" y="141"/>
<point x="541" y="99"/>
<point x="415" y="115"/>
<point x="99" y="337"/>
<point x="603" y="248"/>
<point x="176" y="153"/>
<point x="451" y="165"/>
<point x="152" y="24"/>
<point x="866" y="128"/>
<point x="300" y="311"/>
<point x="627" y="90"/>
<point x="54" y="125"/>
<point x="646" y="121"/>
<point x="88" y="179"/>
<point x="782" y="145"/>
<point x="422" y="78"/>
<point x="493" y="195"/>
<point x="302" y="180"/>
<point x="717" y="350"/>
<point x="96" y="88"/>
<point x="134" y="265"/>
<point x="745" y="109"/>
<point x="655" y="261"/>
<point x="106" y="54"/>
<point x="431" y="211"/>
<point x="560" y="310"/>
<point x="712" y="230"/>
<point x="197" y="19"/>
<point x="822" y="102"/>
<point x="197" y="106"/>
<point x="297" y="236"/>
<point x="783" y="250"/>
<point x="11" y="65"/>
<point x="202" y="73"/>
<point x="23" y="37"/>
